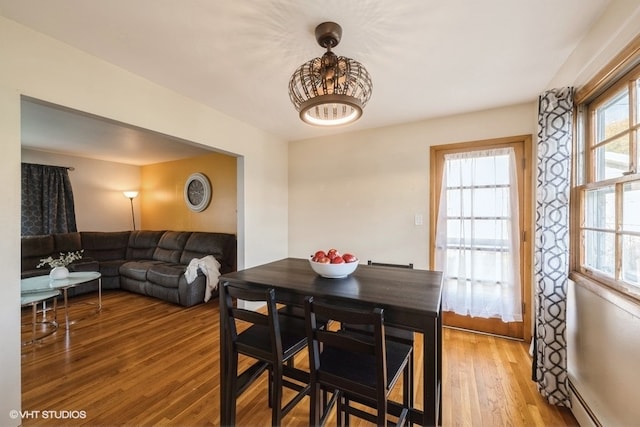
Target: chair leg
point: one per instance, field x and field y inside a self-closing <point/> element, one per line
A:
<point x="314" y="407"/>
<point x="276" y="403"/>
<point x="382" y="413"/>
<point x="345" y="410"/>
<point x="270" y="387"/>
<point x="328" y="404"/>
<point x="232" y="382"/>
<point x="407" y="385"/>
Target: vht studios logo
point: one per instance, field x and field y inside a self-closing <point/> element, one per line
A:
<point x="51" y="415"/>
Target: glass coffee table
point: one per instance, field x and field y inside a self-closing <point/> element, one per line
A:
<point x="33" y="299"/>
<point x="38" y="284"/>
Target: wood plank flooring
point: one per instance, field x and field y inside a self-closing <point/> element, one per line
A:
<point x="144" y="362"/>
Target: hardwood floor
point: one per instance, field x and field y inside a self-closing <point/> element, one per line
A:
<point x="143" y="362"/>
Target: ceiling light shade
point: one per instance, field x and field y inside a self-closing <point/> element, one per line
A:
<point x="332" y="90"/>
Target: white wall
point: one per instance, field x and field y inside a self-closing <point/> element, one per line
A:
<point x="360" y="191"/>
<point x="40" y="67"/>
<point x="618" y="25"/>
<point x="97" y="190"/>
<point x="603" y="350"/>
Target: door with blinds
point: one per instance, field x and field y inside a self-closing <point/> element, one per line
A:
<point x="480" y="192"/>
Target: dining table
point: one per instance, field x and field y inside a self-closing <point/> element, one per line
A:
<point x="410" y="298"/>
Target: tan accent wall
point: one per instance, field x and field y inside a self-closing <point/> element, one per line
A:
<point x="161" y="197"/>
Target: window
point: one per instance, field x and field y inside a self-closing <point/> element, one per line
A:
<point x="607" y="241"/>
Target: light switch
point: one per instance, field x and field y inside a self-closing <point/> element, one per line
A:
<point x="419" y="219"/>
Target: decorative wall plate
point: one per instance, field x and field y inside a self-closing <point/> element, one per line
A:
<point x="197" y="192"/>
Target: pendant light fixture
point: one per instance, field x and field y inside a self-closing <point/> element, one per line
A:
<point x="332" y="90"/>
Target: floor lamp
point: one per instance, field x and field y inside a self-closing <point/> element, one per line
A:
<point x="131" y="195"/>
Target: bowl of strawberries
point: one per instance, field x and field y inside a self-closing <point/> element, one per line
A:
<point x="332" y="264"/>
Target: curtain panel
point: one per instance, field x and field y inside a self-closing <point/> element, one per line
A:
<point x="477" y="245"/>
<point x="551" y="263"/>
<point x="47" y="200"/>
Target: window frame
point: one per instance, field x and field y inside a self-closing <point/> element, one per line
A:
<point x="525" y="155"/>
<point x="622" y="72"/>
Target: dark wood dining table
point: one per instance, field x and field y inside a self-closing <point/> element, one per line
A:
<point x="410" y="299"/>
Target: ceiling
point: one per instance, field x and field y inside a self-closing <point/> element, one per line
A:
<point x="427" y="58"/>
<point x="55" y="129"/>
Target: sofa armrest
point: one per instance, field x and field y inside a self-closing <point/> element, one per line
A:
<point x="221" y="245"/>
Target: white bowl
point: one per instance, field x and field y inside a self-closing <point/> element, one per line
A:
<point x="334" y="271"/>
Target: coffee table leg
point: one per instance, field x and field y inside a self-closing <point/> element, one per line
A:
<point x="34" y="308"/>
<point x="66" y="307"/>
<point x="100" y="294"/>
<point x="44" y="311"/>
<point x="55" y="311"/>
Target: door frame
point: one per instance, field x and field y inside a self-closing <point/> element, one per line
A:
<point x="525" y="191"/>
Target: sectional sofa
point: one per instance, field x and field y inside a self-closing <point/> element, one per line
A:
<point x="147" y="262"/>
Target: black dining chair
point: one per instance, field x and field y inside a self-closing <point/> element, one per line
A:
<point x="393" y="333"/>
<point x="297" y="312"/>
<point x="357" y="367"/>
<point x="386" y="264"/>
<point x="272" y="340"/>
<point x="401" y="336"/>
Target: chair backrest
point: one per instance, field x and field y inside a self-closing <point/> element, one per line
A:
<point x="235" y="314"/>
<point x="366" y="350"/>
<point x="386" y="264"/>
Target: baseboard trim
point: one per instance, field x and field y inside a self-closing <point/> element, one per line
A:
<point x="580" y="409"/>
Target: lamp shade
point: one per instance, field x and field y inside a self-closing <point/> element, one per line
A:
<point x="130" y="194"/>
<point x="331" y="90"/>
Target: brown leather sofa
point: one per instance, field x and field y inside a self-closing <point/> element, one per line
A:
<point x="146" y="262"/>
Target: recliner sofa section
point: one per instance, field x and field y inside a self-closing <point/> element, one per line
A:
<point x="145" y="261"/>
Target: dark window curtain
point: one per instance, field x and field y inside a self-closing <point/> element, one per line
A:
<point x="555" y="121"/>
<point x="47" y="200"/>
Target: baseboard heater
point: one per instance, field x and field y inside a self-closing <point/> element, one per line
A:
<point x="581" y="409"/>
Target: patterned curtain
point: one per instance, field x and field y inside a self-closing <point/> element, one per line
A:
<point x="555" y="112"/>
<point x="47" y="200"/>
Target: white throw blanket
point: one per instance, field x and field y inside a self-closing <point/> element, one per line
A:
<point x="210" y="267"/>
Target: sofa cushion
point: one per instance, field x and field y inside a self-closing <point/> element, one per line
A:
<point x="67" y="242"/>
<point x="170" y="246"/>
<point x="143" y="243"/>
<point x="137" y="269"/>
<point x="34" y="248"/>
<point x="221" y="245"/>
<point x="33" y="272"/>
<point x="85" y="264"/>
<point x="105" y="246"/>
<point x="167" y="275"/>
<point x="111" y="268"/>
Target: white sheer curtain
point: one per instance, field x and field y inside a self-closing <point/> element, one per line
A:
<point x="477" y="237"/>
